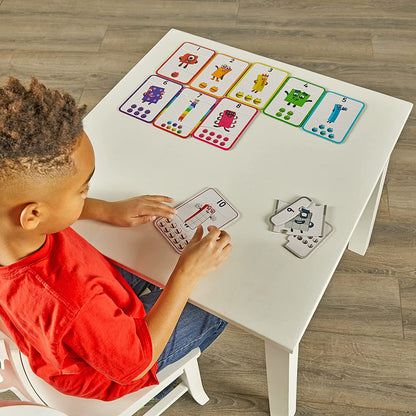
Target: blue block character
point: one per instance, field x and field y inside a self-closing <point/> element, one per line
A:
<point x="335" y="112"/>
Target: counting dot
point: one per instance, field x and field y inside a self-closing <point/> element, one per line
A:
<point x="133" y="106"/>
<point x="290" y="113"/>
<point x="136" y="113"/>
<point x="226" y="139"/>
<point x="180" y="126"/>
<point x="282" y="110"/>
<point x="208" y="138"/>
<point x="201" y="135"/>
<point x="143" y="116"/>
<point x="286" y="117"/>
<point x="310" y="245"/>
<point x="169" y="127"/>
<point x="331" y="136"/>
<point x="299" y="237"/>
<point x="175" y="124"/>
<point x="222" y="144"/>
<point x="129" y="110"/>
<point x="205" y="131"/>
<point x="219" y="136"/>
<point x="147" y="111"/>
<point x="140" y="108"/>
<point x="279" y="114"/>
<point x="330" y="130"/>
<point x="212" y="133"/>
<point x="315" y="240"/>
<point x="174" y="129"/>
<point x="305" y="242"/>
<point x="169" y="122"/>
<point x="321" y="126"/>
<point x="179" y="131"/>
<point x="323" y="133"/>
<point x="314" y="129"/>
<point x="215" y="141"/>
<point x="163" y="125"/>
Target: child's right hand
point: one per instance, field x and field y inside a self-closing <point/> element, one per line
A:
<point x="203" y="255"/>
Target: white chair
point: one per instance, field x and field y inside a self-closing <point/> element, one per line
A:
<point x="17" y="376"/>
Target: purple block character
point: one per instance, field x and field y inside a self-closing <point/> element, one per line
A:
<point x="153" y="94"/>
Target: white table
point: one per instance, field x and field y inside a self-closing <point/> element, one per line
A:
<point x="263" y="288"/>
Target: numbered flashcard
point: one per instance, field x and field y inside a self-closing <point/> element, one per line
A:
<point x="219" y="75"/>
<point x="183" y="115"/>
<point x="225" y="124"/>
<point x="207" y="208"/>
<point x="334" y="117"/>
<point x="258" y="85"/>
<point x="294" y="101"/>
<point x="185" y="62"/>
<point x="150" y="98"/>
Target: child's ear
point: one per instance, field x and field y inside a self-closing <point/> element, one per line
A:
<point x="30" y="216"/>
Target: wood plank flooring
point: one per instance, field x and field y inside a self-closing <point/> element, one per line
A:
<point x="358" y="356"/>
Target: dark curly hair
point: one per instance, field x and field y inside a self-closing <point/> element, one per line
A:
<point x="39" y="128"/>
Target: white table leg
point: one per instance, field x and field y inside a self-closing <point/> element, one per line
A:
<point x="282" y="369"/>
<point x="361" y="236"/>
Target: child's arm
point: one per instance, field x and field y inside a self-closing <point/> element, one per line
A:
<point x="200" y="257"/>
<point x="129" y="212"/>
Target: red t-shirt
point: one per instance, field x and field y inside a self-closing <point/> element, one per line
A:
<point x="73" y="315"/>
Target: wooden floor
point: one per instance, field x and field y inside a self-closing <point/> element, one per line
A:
<point x="358" y="356"/>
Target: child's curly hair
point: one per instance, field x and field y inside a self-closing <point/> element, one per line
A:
<point x="39" y="128"/>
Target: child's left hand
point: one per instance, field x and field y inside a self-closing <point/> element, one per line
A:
<point x="129" y="212"/>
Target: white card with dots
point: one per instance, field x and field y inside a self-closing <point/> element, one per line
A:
<point x="294" y="101"/>
<point x="185" y="62"/>
<point x="182" y="116"/>
<point x="207" y="208"/>
<point x="225" y="124"/>
<point x="150" y="98"/>
<point x="334" y="117"/>
<point x="258" y="85"/>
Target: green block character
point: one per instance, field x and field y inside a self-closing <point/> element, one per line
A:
<point x="297" y="98"/>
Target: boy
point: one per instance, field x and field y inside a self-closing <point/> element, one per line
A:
<point x="77" y="317"/>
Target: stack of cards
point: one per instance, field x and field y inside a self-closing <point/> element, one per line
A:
<point x="304" y="223"/>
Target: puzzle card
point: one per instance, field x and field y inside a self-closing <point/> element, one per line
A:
<point x="219" y="75"/>
<point x="334" y="117"/>
<point x="185" y="62"/>
<point x="258" y="85"/>
<point x="150" y="98"/>
<point x="294" y="101"/>
<point x="182" y="116"/>
<point x="207" y="208"/>
<point x="225" y="124"/>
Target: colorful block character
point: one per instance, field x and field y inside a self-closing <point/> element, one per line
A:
<point x="189" y="108"/>
<point x="153" y="94"/>
<point x="297" y="98"/>
<point x="260" y="83"/>
<point x="227" y="120"/>
<point x="220" y="72"/>
<point x="188" y="59"/>
<point x="335" y="112"/>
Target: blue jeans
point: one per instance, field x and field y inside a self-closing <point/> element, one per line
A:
<point x="195" y="328"/>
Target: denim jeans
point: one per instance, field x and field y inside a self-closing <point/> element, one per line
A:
<point x="195" y="328"/>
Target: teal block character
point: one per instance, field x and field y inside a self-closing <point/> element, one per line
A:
<point x="297" y="98"/>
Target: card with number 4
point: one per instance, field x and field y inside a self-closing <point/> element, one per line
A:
<point x="294" y="101"/>
<point x="333" y="117"/>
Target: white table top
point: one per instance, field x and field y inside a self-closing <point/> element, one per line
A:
<point x="263" y="287"/>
